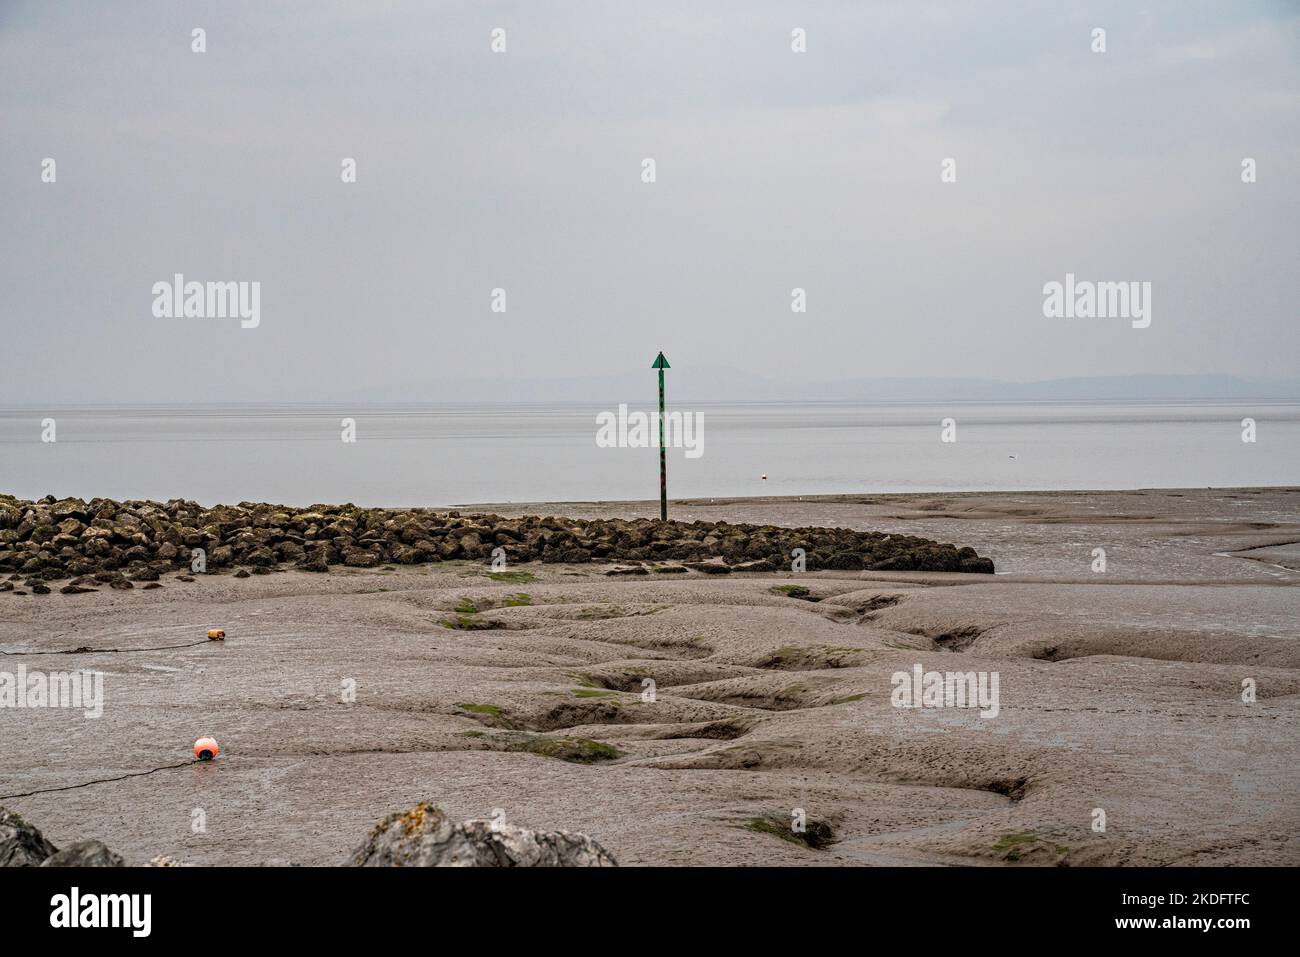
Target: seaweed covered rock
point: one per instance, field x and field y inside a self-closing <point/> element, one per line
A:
<point x="425" y="837"/>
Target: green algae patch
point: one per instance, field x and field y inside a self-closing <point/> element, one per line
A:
<point x="515" y="578"/>
<point x="815" y="834"/>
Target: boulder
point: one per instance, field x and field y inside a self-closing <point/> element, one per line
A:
<point x="317" y="560"/>
<point x="425" y="837"/>
<point x="54" y="539"/>
<point x="709" y="568"/>
<point x="84" y="854"/>
<point x="359" y="558"/>
<point x="21" y="845"/>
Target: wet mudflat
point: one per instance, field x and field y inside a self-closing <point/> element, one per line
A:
<point x="338" y="698"/>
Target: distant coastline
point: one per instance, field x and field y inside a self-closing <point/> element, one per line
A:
<point x="715" y="385"/>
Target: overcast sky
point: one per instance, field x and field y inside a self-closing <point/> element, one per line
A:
<point x="522" y="170"/>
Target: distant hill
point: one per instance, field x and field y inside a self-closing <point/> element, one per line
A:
<point x="729" y="385"/>
<point x="690" y="384"/>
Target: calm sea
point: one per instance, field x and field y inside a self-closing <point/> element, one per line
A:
<point x="446" y="455"/>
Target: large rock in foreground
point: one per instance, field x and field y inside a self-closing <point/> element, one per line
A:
<point x="424" y="837"/>
<point x="84" y="854"/>
<point x="21" y="845"/>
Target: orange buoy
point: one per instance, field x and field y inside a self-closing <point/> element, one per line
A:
<point x="216" y="634"/>
<point x="205" y="749"/>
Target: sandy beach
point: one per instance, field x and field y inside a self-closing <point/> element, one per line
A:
<point x="339" y="698"/>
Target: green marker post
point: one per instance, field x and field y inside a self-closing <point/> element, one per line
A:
<point x="661" y="364"/>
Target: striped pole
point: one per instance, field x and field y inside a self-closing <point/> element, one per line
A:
<point x="661" y="364"/>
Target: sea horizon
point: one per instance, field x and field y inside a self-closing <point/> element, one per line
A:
<point x="449" y="454"/>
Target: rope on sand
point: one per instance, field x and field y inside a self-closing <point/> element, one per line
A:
<point x="86" y="784"/>
<point x="85" y="650"/>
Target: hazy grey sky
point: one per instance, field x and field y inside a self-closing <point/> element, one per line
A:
<point x="522" y="170"/>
